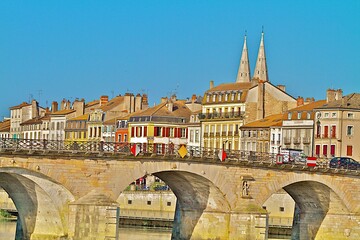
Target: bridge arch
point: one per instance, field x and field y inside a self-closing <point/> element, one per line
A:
<point x="41" y="203"/>
<point x="320" y="203"/>
<point x="197" y="198"/>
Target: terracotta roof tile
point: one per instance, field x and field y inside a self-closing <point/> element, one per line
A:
<point x="351" y="101"/>
<point x="82" y="117"/>
<point x="270" y="121"/>
<point x="5" y="126"/>
<point x="63" y="112"/>
<point x="23" y="104"/>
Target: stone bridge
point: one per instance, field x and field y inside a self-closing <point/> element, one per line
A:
<point x="71" y="195"/>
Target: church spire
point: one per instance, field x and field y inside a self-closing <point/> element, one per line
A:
<point x="244" y="67"/>
<point x="261" y="67"/>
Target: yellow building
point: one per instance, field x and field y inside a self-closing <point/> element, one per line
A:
<point x="76" y="128"/>
<point x="228" y="106"/>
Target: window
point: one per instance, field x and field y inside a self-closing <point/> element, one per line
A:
<point x="264" y="207"/>
<point x="326" y="115"/>
<point x="350" y="130"/>
<point x="168" y="204"/>
<point x="299" y="115"/>
<point x="214" y="98"/>
<point x="289" y="115"/>
<point x="325" y="147"/>
<point x="308" y="115"/>
<point x="350" y="115"/>
<point x="191" y="135"/>
<point x="129" y="201"/>
<point x="219" y="97"/>
<point x="183" y="132"/>
<point x="232" y="96"/>
<point x="333" y="115"/>
<point x="349" y="150"/>
<point x="226" y="97"/>
<point x="317" y="150"/>
<point x="332" y="150"/>
<point x="197" y="138"/>
<point x="148" y="202"/>
<point x="125" y="138"/>
<point x="282" y="209"/>
<point x="207" y="98"/>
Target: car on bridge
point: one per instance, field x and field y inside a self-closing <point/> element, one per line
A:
<point x="344" y="162"/>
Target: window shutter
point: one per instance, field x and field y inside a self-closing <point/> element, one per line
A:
<point x="132" y="131"/>
<point x="155" y="131"/>
<point x="145" y="131"/>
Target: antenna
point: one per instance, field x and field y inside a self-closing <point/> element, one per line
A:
<point x="31" y="97"/>
<point x="39" y="93"/>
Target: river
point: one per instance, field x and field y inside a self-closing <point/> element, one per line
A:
<point x="7" y="232"/>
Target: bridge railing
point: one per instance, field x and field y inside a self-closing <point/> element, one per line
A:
<point x="147" y="149"/>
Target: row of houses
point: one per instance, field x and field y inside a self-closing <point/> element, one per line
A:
<point x="250" y="114"/>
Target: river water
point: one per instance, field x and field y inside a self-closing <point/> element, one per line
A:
<point x="8" y="228"/>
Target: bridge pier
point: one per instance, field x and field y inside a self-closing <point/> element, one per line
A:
<point x="93" y="217"/>
<point x="215" y="225"/>
<point x="339" y="226"/>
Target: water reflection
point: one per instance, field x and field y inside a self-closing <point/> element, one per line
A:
<point x="7" y="229"/>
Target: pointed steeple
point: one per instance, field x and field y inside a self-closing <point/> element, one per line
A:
<point x="244" y="67"/>
<point x="261" y="66"/>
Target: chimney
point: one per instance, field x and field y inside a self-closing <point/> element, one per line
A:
<point x="63" y="104"/>
<point x="309" y="100"/>
<point x="54" y="107"/>
<point x="211" y="84"/>
<point x="104" y="100"/>
<point x="300" y="101"/>
<point x="163" y="99"/>
<point x="145" y="103"/>
<point x="173" y="98"/>
<point x="170" y="105"/>
<point x="333" y="95"/>
<point x="79" y="107"/>
<point x="281" y="87"/>
<point x="193" y="98"/>
<point x="34" y="109"/>
<point x="68" y="104"/>
<point x="138" y="102"/>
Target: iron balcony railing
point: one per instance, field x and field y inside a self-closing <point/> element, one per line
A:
<point x="152" y="149"/>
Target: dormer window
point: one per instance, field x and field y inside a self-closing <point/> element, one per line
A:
<point x="299" y="115"/>
<point x="226" y="96"/>
<point x="214" y="98"/>
<point x="239" y="96"/>
<point x="219" y="97"/>
<point x="289" y="115"/>
<point x="232" y="96"/>
<point x="207" y="98"/>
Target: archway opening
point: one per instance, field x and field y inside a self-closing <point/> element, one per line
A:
<point x="311" y="203"/>
<point x="178" y="198"/>
<point x="38" y="202"/>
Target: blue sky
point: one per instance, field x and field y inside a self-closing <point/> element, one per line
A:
<point x="51" y="50"/>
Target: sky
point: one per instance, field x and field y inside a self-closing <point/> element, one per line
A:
<point x="50" y="50"/>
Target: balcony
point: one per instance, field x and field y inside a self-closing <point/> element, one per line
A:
<point x="217" y="115"/>
<point x="306" y="140"/>
<point x="297" y="140"/>
<point x="287" y="140"/>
